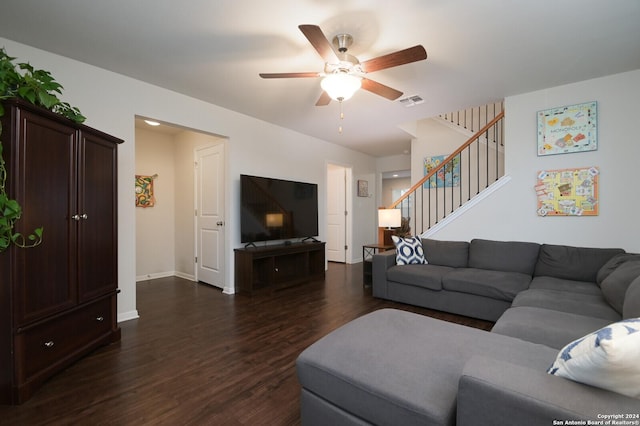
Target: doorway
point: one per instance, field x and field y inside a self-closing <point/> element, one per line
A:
<point x="394" y="185"/>
<point x="338" y="208"/>
<point x="168" y="242"/>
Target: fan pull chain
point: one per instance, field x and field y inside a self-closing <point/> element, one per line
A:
<point x="341" y="118"/>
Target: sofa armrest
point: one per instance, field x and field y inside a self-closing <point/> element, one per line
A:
<point x="381" y="262"/>
<point x="500" y="393"/>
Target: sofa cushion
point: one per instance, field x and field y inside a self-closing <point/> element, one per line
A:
<point x="446" y="253"/>
<point x="614" y="286"/>
<point x="551" y="328"/>
<point x="613" y="263"/>
<point x="494" y="284"/>
<point x="572" y="263"/>
<point x="400" y="368"/>
<point x="408" y="250"/>
<point x="561" y="284"/>
<point x="508" y="256"/>
<point x="427" y="276"/>
<point x="631" y="307"/>
<point x="606" y="358"/>
<point x="590" y="305"/>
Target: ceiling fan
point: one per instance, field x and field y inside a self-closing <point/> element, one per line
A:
<point x="343" y="73"/>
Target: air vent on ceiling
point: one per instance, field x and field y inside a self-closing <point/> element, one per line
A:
<point x="410" y="101"/>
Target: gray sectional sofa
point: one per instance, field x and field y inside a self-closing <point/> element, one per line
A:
<point x="392" y="367"/>
<point x="482" y="278"/>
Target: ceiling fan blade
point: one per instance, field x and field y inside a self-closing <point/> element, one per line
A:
<point x="324" y="99"/>
<point x="401" y="57"/>
<point x="316" y="37"/>
<point x="289" y="74"/>
<point x="380" y="89"/>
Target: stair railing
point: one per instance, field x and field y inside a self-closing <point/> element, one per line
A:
<point x="471" y="168"/>
<point x="472" y="119"/>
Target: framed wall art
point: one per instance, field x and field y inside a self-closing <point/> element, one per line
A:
<point x="568" y="129"/>
<point x="144" y="191"/>
<point x="363" y="188"/>
<point x="448" y="176"/>
<point x="568" y="192"/>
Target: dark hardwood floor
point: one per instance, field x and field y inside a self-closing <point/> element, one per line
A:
<point x="198" y="357"/>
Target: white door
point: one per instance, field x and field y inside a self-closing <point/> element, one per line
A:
<point x="209" y="200"/>
<point x="336" y="214"/>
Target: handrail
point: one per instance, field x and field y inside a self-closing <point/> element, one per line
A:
<point x="435" y="170"/>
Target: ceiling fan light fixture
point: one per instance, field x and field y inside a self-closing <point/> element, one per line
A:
<point x="341" y="86"/>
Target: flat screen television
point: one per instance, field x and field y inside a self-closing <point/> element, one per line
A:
<point x="276" y="209"/>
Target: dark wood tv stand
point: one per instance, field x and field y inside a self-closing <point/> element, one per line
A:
<point x="277" y="266"/>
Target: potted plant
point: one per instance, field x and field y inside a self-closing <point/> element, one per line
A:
<point x="38" y="87"/>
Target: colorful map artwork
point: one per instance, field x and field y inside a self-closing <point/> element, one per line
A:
<point x="447" y="176"/>
<point x="144" y="191"/>
<point x="568" y="129"/>
<point x="569" y="192"/>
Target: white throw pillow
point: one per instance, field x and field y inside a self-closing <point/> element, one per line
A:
<point x="409" y="251"/>
<point x="608" y="358"/>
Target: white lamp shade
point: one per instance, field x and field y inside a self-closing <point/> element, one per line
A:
<point x="389" y="218"/>
<point x="341" y="86"/>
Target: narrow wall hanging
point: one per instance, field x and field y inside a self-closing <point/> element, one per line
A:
<point x="363" y="188"/>
<point x="144" y="191"/>
<point x="568" y="192"/>
<point x="568" y="129"/>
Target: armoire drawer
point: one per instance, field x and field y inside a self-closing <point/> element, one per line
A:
<point x="57" y="340"/>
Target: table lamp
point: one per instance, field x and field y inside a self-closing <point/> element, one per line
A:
<point x="388" y="219"/>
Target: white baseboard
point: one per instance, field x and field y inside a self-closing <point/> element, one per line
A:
<point x="155" y="275"/>
<point x="164" y="275"/>
<point x="127" y="316"/>
<point x="185" y="276"/>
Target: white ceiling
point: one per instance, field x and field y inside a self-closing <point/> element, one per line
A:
<point x="478" y="52"/>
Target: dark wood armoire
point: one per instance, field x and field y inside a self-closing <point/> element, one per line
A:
<point x="57" y="300"/>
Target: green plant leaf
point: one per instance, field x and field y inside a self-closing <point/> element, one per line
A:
<point x="46" y="100"/>
<point x="27" y="93"/>
<point x="25" y="67"/>
<point x="4" y="243"/>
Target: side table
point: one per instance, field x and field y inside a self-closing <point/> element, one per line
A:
<point x="368" y="250"/>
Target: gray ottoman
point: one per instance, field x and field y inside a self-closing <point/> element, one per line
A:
<point x="392" y="367"/>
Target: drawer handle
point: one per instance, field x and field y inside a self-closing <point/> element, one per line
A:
<point x="99" y="319"/>
<point x="49" y="344"/>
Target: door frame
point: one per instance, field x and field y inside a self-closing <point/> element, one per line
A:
<point x="348" y="205"/>
<point x="226" y="288"/>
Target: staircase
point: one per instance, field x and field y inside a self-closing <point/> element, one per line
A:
<point x="457" y="182"/>
<point x="471" y="120"/>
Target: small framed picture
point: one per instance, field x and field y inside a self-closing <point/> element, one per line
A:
<point x="363" y="188"/>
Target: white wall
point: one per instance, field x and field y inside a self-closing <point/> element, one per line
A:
<point x="510" y="214"/>
<point x="111" y="101"/>
<point x="155" y="230"/>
